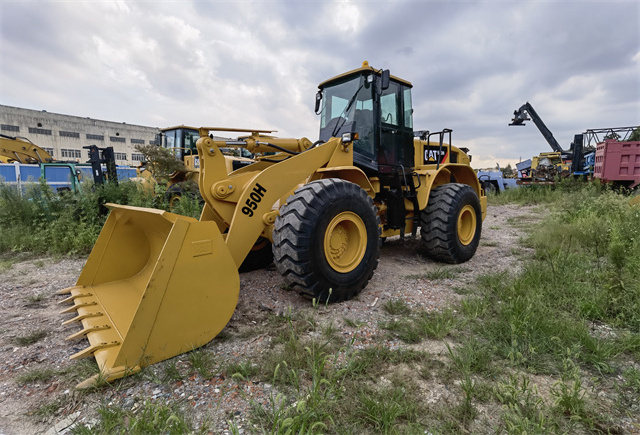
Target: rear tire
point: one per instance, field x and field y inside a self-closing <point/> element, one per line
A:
<point x="325" y="241"/>
<point x="260" y="256"/>
<point x="452" y="223"/>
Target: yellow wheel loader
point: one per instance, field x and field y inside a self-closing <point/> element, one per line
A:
<point x="158" y="284"/>
<point x="21" y="150"/>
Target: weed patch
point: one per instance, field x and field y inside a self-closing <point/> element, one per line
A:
<point x="440" y="273"/>
<point x="149" y="418"/>
<point x="38" y="375"/>
<point x="36" y="299"/>
<point x="422" y="325"/>
<point x="32" y="338"/>
<point x="396" y="306"/>
<point x="202" y="362"/>
<point x="384" y="409"/>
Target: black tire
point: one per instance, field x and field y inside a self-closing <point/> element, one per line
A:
<point x="326" y="238"/>
<point x="260" y="256"/>
<point x="175" y="192"/>
<point x="451" y="224"/>
<point x="490" y="188"/>
<point x="173" y="195"/>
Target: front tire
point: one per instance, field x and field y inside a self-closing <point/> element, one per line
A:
<point x="452" y="223"/>
<point x="325" y="241"/>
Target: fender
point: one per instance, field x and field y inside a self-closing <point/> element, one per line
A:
<point x="349" y="173"/>
<point x="449" y="173"/>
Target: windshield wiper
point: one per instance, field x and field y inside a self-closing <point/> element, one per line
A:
<point x="346" y="109"/>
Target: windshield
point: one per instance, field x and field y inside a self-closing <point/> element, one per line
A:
<point x="181" y="141"/>
<point x="343" y="104"/>
<point x="347" y="106"/>
<point x="190" y="139"/>
<point x="237" y="152"/>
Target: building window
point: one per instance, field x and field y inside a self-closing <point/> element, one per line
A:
<point x="70" y="134"/>
<point x="70" y="154"/>
<point x="137" y="141"/>
<point x="117" y="139"/>
<point x="137" y="157"/>
<point x="35" y="130"/>
<point x="95" y="136"/>
<point x="49" y="150"/>
<point x="6" y="127"/>
<point x="120" y="156"/>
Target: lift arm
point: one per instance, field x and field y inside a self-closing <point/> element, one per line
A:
<point x="520" y="116"/>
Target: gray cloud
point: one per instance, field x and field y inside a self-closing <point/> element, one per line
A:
<point x="257" y="64"/>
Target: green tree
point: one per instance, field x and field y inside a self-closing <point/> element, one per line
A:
<point x="160" y="161"/>
<point x="508" y="171"/>
<point x="612" y="135"/>
<point x="635" y="136"/>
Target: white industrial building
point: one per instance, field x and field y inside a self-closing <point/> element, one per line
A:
<point x="64" y="136"/>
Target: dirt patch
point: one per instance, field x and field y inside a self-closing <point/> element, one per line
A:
<point x="32" y="337"/>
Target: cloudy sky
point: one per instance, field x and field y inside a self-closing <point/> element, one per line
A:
<point x="257" y="63"/>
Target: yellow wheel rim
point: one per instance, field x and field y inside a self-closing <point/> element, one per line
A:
<point x="466" y="224"/>
<point x="345" y="242"/>
<point x="174" y="202"/>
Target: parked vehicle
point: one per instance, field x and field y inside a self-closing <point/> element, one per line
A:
<point x="23" y="162"/>
<point x="559" y="163"/>
<point x="495" y="182"/>
<point x="618" y="163"/>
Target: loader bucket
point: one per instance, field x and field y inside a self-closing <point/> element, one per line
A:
<point x="155" y="285"/>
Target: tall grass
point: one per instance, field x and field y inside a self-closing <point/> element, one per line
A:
<point x="42" y="221"/>
<point x="547" y="194"/>
<point x="582" y="282"/>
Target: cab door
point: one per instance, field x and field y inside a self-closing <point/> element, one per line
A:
<point x="396" y="129"/>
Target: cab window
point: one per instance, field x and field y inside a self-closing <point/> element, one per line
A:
<point x="389" y="105"/>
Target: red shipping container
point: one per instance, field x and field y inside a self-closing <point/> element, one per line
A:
<point x="618" y="162"/>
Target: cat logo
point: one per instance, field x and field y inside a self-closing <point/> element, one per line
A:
<point x="434" y="154"/>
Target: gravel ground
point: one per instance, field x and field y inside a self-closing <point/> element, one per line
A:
<point x="29" y="305"/>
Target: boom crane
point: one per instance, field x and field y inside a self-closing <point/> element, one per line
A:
<point x="520" y="116"/>
<point x="575" y="153"/>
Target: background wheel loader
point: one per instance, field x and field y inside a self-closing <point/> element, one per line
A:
<point x="157" y="284"/>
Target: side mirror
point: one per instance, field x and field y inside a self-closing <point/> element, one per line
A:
<point x="318" y="100"/>
<point x="384" y="80"/>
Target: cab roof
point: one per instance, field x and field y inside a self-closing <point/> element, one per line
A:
<point x="178" y="127"/>
<point x="365" y="67"/>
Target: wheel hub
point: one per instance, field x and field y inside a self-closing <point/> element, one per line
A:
<point x="467" y="224"/>
<point x="345" y="242"/>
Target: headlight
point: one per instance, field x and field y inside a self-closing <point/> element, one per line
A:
<point x="350" y="137"/>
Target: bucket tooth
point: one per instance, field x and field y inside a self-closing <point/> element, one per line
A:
<point x="77" y="306"/>
<point x="81" y="334"/>
<point x="82" y="316"/>
<point x="68" y="290"/>
<point x="108" y="375"/>
<point x="93" y="348"/>
<point x="74" y="297"/>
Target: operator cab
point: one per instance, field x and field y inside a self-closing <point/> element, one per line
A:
<point x="181" y="140"/>
<point x="375" y="105"/>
